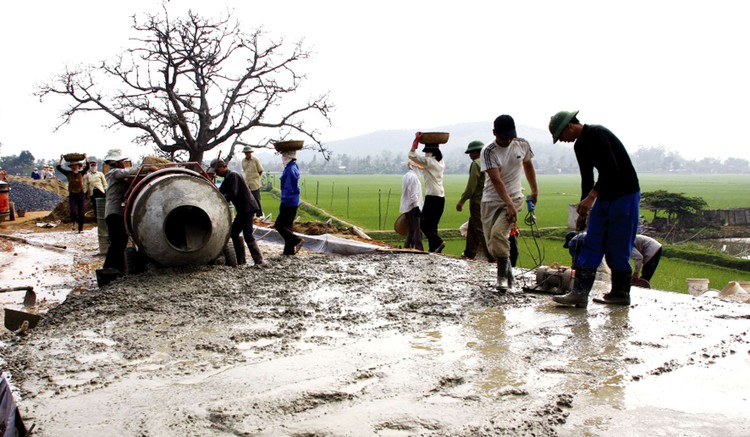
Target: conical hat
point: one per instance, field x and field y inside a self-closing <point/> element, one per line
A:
<point x="401" y="226"/>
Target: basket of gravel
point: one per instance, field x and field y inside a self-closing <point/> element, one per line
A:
<point x="434" y="137"/>
<point x="74" y="157"/>
<point x="288" y="146"/>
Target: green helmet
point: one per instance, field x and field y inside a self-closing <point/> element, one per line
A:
<point x="474" y="146"/>
<point x="558" y="122"/>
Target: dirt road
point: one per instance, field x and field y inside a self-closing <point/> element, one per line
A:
<point x="380" y="344"/>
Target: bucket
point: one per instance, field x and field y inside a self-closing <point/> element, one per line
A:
<point x="4" y="204"/>
<point x="696" y="286"/>
<point x="101" y="225"/>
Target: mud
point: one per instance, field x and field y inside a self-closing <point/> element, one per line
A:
<point x="390" y="344"/>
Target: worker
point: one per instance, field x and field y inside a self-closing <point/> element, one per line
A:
<point x="35" y="174"/>
<point x="114" y="213"/>
<point x="434" y="199"/>
<point x="289" y="203"/>
<point x="75" y="190"/>
<point x="574" y="243"/>
<point x="252" y="170"/>
<point x="610" y="205"/>
<point x="473" y="193"/>
<point x="645" y="255"/>
<point x="411" y="205"/>
<point x="235" y="190"/>
<point x="502" y="197"/>
<point x="95" y="184"/>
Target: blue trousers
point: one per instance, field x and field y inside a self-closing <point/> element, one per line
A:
<point x="612" y="226"/>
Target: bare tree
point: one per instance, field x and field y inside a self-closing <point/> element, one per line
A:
<point x="192" y="84"/>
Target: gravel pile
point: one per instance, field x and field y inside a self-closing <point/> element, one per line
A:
<point x="32" y="198"/>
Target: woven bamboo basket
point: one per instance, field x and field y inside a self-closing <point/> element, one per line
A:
<point x="434" y="137"/>
<point x="288" y="146"/>
<point x="73" y="157"/>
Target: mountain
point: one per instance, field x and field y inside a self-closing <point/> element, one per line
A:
<point x="399" y="141"/>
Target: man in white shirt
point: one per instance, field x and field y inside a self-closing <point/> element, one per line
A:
<point x="645" y="255"/>
<point x="411" y="206"/>
<point x="434" y="200"/>
<point x="502" y="198"/>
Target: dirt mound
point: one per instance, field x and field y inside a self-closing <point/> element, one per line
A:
<point x="319" y="228"/>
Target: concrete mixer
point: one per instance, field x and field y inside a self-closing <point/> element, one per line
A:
<point x="176" y="216"/>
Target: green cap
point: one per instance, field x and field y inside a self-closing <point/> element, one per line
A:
<point x="558" y="122"/>
<point x="474" y="146"/>
<point x="247" y="149"/>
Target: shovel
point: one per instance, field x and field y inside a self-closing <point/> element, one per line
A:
<point x="29" y="300"/>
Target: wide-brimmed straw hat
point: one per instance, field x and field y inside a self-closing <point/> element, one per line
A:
<point x="115" y="155"/>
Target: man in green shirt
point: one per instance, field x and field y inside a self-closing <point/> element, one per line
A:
<point x="473" y="193"/>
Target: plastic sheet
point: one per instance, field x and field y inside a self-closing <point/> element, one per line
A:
<point x="325" y="243"/>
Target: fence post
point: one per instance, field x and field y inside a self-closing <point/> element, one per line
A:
<point x="380" y="226"/>
<point x="387" y="204"/>
<point x="317" y="192"/>
<point x="347" y="201"/>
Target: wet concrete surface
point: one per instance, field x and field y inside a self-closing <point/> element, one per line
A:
<point x="390" y="344"/>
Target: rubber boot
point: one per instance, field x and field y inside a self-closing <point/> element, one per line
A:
<point x="503" y="265"/>
<point x="255" y="253"/>
<point x="579" y="295"/>
<point x="620" y="292"/>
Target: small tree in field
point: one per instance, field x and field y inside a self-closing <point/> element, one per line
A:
<point x="673" y="204"/>
<point x="191" y="84"/>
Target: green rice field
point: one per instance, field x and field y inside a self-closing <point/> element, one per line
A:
<point x="372" y="201"/>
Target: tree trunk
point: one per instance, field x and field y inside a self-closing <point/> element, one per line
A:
<point x="196" y="157"/>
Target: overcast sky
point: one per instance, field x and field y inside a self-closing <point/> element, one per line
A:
<point x="657" y="73"/>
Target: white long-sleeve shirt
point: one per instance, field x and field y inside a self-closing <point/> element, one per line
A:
<point x="644" y="249"/>
<point x="411" y="191"/>
<point x="433" y="173"/>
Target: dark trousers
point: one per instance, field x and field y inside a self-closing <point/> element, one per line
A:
<point x="650" y="267"/>
<point x="413" y="234"/>
<point x="256" y="194"/>
<point x="431" y="214"/>
<point x="75" y="201"/>
<point x="118" y="241"/>
<point x="242" y="224"/>
<point x="611" y="232"/>
<point x="284" y="225"/>
<point x="513" y="250"/>
<point x="475" y="236"/>
<point x="96" y="195"/>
